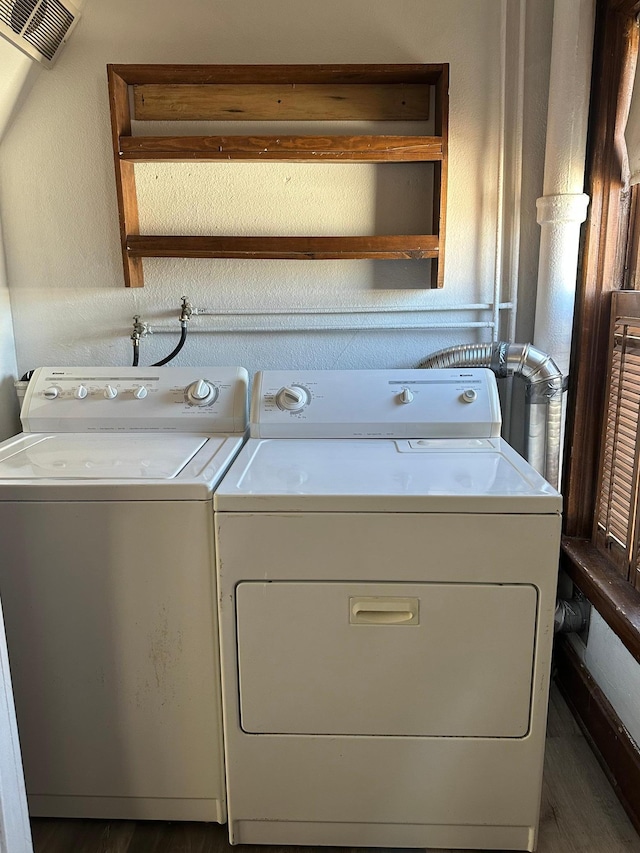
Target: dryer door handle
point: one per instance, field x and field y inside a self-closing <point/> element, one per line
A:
<point x="384" y="610"/>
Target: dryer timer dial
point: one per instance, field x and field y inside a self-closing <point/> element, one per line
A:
<point x="292" y="398"/>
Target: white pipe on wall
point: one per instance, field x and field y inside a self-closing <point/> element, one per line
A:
<point x="323" y="327"/>
<point x="560" y="217"/>
<point x="347" y="309"/>
<point x="515" y="96"/>
<point x="563" y="207"/>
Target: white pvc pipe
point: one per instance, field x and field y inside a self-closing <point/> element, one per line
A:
<point x="497" y="273"/>
<point x="563" y="206"/>
<point x="323" y="327"/>
<point x="348" y="309"/>
<point x="516" y="167"/>
<point x="560" y="218"/>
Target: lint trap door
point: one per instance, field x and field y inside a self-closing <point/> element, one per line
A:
<point x="427" y="659"/>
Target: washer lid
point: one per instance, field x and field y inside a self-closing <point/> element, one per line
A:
<point x="140" y="466"/>
<point x="424" y="475"/>
<point x="98" y="457"/>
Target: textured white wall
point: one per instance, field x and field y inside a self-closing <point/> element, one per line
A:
<point x="8" y="368"/>
<point x="58" y="204"/>
<point x="615" y="670"/>
<point x="15" y="73"/>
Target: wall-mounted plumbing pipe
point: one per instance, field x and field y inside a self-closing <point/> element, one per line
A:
<point x="324" y="327"/>
<point x="563" y="205"/>
<point x="544" y="385"/>
<point x="349" y="309"/>
<point x="374" y="319"/>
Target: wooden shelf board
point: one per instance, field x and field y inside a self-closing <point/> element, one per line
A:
<point x="276" y="74"/>
<point x="289" y="248"/>
<point x="281" y="102"/>
<point x="372" y="149"/>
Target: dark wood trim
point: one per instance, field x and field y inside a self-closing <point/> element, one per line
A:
<point x="630" y="8"/>
<point x="615" y="48"/>
<point x="615" y="599"/>
<point x="613" y="745"/>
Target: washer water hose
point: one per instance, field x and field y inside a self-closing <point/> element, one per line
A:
<point x="185" y="316"/>
<point x="141" y="329"/>
<point x="174" y="353"/>
<point x="544" y="387"/>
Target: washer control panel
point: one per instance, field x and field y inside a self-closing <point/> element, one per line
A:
<point x="439" y="403"/>
<point x="126" y="399"/>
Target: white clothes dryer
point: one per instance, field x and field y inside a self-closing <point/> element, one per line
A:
<point x="108" y="587"/>
<point x="387" y="570"/>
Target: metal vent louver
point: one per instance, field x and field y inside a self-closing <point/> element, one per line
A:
<point x="39" y="28"/>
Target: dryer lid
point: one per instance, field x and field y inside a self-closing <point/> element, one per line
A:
<point x="384" y="475"/>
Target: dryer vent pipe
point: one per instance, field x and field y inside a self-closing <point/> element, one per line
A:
<point x="572" y="615"/>
<point x="544" y="387"/>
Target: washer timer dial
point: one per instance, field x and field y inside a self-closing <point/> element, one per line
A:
<point x="200" y="393"/>
<point x="292" y="398"/>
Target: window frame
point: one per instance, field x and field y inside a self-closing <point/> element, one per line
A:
<point x="607" y="256"/>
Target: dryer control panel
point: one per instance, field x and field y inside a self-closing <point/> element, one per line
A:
<point x="136" y="399"/>
<point x="438" y="403"/>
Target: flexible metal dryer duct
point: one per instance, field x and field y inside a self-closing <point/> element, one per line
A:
<point x="544" y="386"/>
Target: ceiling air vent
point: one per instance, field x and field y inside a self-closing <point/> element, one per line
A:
<point x="39" y="28"/>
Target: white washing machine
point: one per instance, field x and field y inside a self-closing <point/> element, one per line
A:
<point x="108" y="587"/>
<point x="387" y="571"/>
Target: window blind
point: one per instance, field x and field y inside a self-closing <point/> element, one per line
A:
<point x="617" y="518"/>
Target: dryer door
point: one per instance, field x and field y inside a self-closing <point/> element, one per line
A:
<point x="429" y="659"/>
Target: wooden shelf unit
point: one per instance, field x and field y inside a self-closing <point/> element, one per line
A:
<point x="277" y="93"/>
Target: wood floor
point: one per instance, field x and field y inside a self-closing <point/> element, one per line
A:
<point x="580" y="813"/>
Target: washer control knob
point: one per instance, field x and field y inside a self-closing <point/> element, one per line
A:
<point x="405" y="396"/>
<point x="110" y="392"/>
<point x="80" y="393"/>
<point x="469" y="395"/>
<point x="201" y="392"/>
<point x="140" y="392"/>
<point x="51" y="393"/>
<point x="292" y="398"/>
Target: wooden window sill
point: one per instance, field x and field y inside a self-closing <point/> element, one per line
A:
<point x="613" y="597"/>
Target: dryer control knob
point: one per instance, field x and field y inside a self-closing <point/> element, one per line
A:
<point x="405" y="396"/>
<point x="140" y="392"/>
<point x="292" y="398"/>
<point x="110" y="392"/>
<point x="469" y="395"/>
<point x="51" y="393"/>
<point x="80" y="393"/>
<point x="201" y="392"/>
